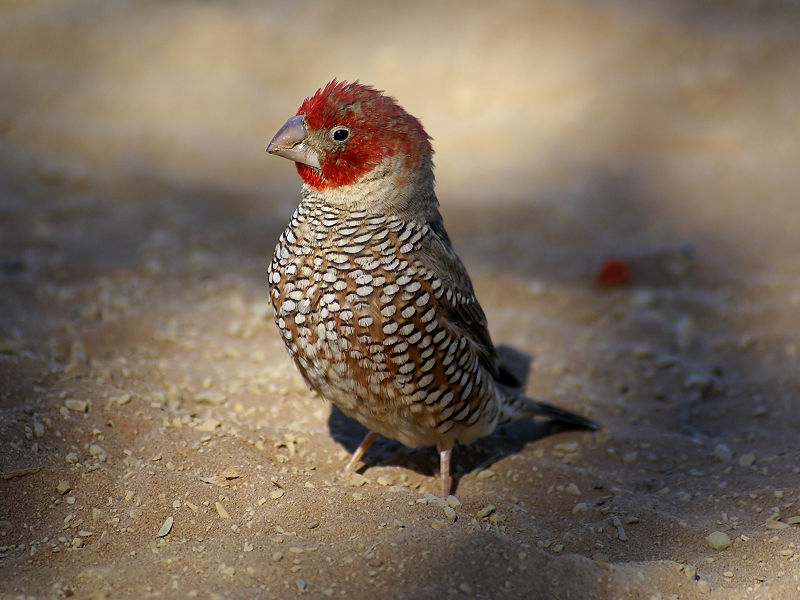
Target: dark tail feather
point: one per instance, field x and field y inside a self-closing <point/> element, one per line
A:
<point x="536" y="407"/>
<point x="514" y="406"/>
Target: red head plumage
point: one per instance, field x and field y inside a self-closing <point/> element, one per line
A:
<point x="377" y="127"/>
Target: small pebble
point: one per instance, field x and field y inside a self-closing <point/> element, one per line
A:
<point x="121" y="400"/>
<point x="213" y="398"/>
<point x="567" y="447"/>
<point x="450" y="514"/>
<point x="223" y="514"/>
<point x="697" y="381"/>
<point x="572" y="490"/>
<point x="703" y="586"/>
<point x="486" y="474"/>
<point x="722" y="453"/>
<point x="643" y="298"/>
<point x="76" y="405"/>
<point x="745" y="341"/>
<point x="230" y="473"/>
<point x="301" y="584"/>
<point x="438" y="524"/>
<point x="600" y="437"/>
<point x="63" y="487"/>
<point x="718" y="540"/>
<point x="97" y="451"/>
<point x="746" y="460"/>
<point x="357" y="480"/>
<point x="623" y="537"/>
<point x="166" y="527"/>
<point x="486" y="511"/>
<point x="275" y="494"/>
<point x="228" y="571"/>
<point x="208" y="425"/>
<point x="773" y="524"/>
<point x="453" y="502"/>
<point x="631" y="519"/>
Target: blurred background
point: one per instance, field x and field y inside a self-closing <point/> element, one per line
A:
<point x="191" y="90"/>
<point x="138" y="211"/>
<point x="607" y="107"/>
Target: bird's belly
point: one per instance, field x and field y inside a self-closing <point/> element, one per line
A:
<point x="369" y="341"/>
<point x="338" y="344"/>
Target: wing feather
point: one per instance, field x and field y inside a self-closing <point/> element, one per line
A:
<point x="458" y="305"/>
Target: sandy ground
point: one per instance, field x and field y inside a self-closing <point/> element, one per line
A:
<point x="142" y="380"/>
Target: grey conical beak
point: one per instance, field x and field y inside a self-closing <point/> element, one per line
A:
<point x="290" y="142"/>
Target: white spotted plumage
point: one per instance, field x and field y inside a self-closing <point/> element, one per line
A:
<point x="399" y="311"/>
<point x="375" y="308"/>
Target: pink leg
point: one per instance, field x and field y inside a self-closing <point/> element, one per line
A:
<point x="444" y="468"/>
<point x="362" y="448"/>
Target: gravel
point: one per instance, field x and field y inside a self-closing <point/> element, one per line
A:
<point x="718" y="540"/>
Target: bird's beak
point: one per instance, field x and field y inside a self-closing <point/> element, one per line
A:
<point x="290" y="142"/>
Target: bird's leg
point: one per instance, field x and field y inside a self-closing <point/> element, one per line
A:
<point x="362" y="448"/>
<point x="444" y="468"/>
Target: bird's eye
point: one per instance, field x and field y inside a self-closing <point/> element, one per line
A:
<point x="340" y="133"/>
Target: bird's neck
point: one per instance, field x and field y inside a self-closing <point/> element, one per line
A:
<point x="390" y="189"/>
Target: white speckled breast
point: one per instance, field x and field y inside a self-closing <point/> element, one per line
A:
<point x="366" y="324"/>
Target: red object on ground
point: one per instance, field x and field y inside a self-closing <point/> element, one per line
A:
<point x="614" y="271"/>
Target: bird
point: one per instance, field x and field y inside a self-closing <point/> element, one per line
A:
<point x="374" y="307"/>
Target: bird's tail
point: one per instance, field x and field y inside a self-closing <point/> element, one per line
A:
<point x="559" y="414"/>
<point x="519" y="407"/>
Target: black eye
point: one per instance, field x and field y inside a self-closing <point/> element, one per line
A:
<point x="340" y="133"/>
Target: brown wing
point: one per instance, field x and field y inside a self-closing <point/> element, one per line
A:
<point x="458" y="304"/>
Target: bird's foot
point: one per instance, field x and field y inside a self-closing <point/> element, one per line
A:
<point x="351" y="465"/>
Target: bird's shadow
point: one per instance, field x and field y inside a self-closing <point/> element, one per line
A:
<point x="507" y="440"/>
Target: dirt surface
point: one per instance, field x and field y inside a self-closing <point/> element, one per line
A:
<point x="155" y="440"/>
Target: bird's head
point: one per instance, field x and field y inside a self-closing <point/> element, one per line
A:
<point x="348" y="132"/>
